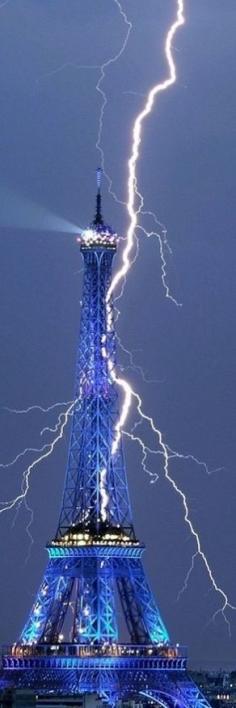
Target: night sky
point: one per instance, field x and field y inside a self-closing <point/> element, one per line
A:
<point x="48" y="129"/>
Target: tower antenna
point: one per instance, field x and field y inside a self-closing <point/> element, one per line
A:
<point x="98" y="217"/>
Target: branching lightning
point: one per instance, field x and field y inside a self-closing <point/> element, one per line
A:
<point x="134" y="205"/>
<point x="132" y="364"/>
<point x="134" y="195"/>
<point x="154" y="476"/>
<point x="99" y="88"/>
<point x="164" y="451"/>
<point x="162" y="244"/>
<point x="46" y="451"/>
<point x="129" y="256"/>
<point x="135" y="209"/>
<point x="37" y="407"/>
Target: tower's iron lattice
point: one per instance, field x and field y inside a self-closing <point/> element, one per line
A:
<point x="70" y="642"/>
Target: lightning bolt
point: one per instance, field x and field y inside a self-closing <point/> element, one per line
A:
<point x="132" y="365"/>
<point x="161" y="236"/>
<point x="162" y="244"/>
<point x="135" y="209"/>
<point x="164" y="451"/>
<point x="30" y="409"/>
<point x="37" y="407"/>
<point x="189" y="573"/>
<point x="99" y="88"/>
<point x="45" y="451"/>
<point x="134" y="205"/>
<point x="145" y="451"/>
<point x="133" y="193"/>
<point x="131" y="239"/>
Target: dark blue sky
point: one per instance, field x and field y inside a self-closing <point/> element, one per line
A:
<point x="48" y="129"/>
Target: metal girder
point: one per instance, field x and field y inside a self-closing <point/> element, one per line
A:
<point x="49" y="609"/>
<point x="96" y="611"/>
<point x="79" y="587"/>
<point x="95" y="414"/>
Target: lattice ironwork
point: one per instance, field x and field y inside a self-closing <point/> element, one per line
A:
<point x="95" y="560"/>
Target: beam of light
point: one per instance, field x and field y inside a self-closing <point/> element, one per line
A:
<point x="21" y="212"/>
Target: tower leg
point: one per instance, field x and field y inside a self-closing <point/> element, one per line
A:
<point x="138" y="602"/>
<point x="48" y="612"/>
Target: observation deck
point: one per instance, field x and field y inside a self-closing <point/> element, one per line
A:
<point x="107" y="655"/>
<point x="109" y="541"/>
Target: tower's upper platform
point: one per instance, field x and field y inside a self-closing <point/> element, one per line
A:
<point x="98" y="234"/>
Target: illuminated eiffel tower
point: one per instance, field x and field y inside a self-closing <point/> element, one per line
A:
<point x="71" y="641"/>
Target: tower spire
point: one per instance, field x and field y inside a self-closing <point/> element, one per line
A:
<point x="98" y="221"/>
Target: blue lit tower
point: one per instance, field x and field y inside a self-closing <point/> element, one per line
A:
<point x="71" y="641"/>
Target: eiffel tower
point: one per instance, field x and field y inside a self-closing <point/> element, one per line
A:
<point x="71" y="642"/>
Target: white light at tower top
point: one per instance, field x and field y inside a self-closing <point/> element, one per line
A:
<point x="98" y="233"/>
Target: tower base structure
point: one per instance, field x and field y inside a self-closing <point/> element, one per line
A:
<point x="117" y="673"/>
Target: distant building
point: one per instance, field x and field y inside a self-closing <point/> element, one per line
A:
<point x="86" y="701"/>
<point x="219" y="688"/>
<point x="19" y="698"/>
